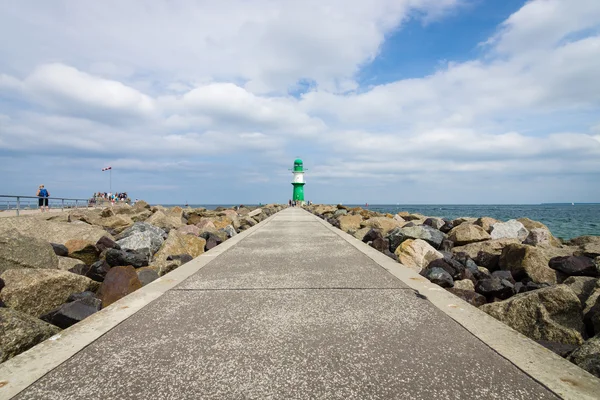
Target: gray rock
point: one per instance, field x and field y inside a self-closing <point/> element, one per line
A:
<point x="60" y="249"/>
<point x="116" y="258"/>
<point x="588" y="356"/>
<point x="70" y="313"/>
<point x="18" y="251"/>
<point x="142" y="227"/>
<point x="438" y="276"/>
<point x="475" y="299"/>
<point x="435" y="223"/>
<point x="539" y="237"/>
<point x="20" y="332"/>
<point x="574" y="266"/>
<point x="552" y="314"/>
<point x="509" y="229"/>
<point x="432" y="236"/>
<point x="255" y="212"/>
<point x="147" y="242"/>
<point x="495" y="287"/>
<point x="230" y="231"/>
<point x="146" y="275"/>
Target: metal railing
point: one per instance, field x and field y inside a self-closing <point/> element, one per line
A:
<point x="21" y="203"/>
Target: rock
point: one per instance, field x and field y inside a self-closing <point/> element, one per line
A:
<point x="438" y="276"/>
<point x="117" y="223"/>
<point x="475" y="299"/>
<point x="504" y="275"/>
<point x="588" y="356"/>
<point x="177" y="243"/>
<point x="140" y="205"/>
<point x="380" y="244"/>
<point x="82" y="295"/>
<point x="574" y="266"/>
<point x="98" y="270"/>
<point x="552" y="314"/>
<point x="447" y="227"/>
<point x="495" y="287"/>
<point x="465" y="284"/>
<point x="212" y="240"/>
<point x="486" y="223"/>
<point x="189" y="230"/>
<point x="141" y="216"/>
<point x="462" y="220"/>
<point x="360" y="234"/>
<point x="116" y="258"/>
<point x="539" y="237"/>
<point x="561" y="349"/>
<point x="181" y="258"/>
<point x="222" y="221"/>
<point x="452" y="267"/>
<point x="39" y="291"/>
<point x="591" y="318"/>
<point x="107" y="212"/>
<point x="255" y="212"/>
<point x="582" y="286"/>
<point x="372" y="234"/>
<point x="424" y="232"/>
<point x="70" y="313"/>
<point x="146" y="243"/>
<point x="83" y="250"/>
<point x="493" y="247"/>
<point x="66" y="263"/>
<point x="349" y="222"/>
<point x="339" y="213"/>
<point x="467" y="233"/>
<point x="146" y="275"/>
<point x="589" y="246"/>
<point x="230" y="231"/>
<point x="20" y="332"/>
<point x="60" y="249"/>
<point x="512" y="229"/>
<point x="105" y="243"/>
<point x="416" y="254"/>
<point x="447" y="245"/>
<point x="383" y="224"/>
<point x="165" y="221"/>
<point x="245" y="223"/>
<point x="531" y="225"/>
<point x="119" y="282"/>
<point x="51" y="231"/>
<point x="173" y="262"/>
<point x="526" y="261"/>
<point x="435" y="223"/>
<point x="18" y="251"/>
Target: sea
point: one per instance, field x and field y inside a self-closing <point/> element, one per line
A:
<point x="565" y="221"/>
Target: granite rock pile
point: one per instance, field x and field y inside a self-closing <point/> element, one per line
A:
<point x="58" y="269"/>
<point x="516" y="271"/>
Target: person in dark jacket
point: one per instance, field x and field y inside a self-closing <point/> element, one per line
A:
<point x="43" y="195"/>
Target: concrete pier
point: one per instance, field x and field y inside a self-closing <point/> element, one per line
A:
<point x="292" y="309"/>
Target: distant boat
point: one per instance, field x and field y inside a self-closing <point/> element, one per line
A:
<point x="572" y="204"/>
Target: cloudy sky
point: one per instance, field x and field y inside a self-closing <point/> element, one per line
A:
<point x="386" y="101"/>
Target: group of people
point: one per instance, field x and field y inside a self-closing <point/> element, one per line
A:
<point x="108" y="196"/>
<point x="294" y="203"/>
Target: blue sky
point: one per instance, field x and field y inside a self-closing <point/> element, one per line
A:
<point x="386" y="101"/>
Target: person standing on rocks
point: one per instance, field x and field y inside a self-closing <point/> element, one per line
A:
<point x="43" y="195"/>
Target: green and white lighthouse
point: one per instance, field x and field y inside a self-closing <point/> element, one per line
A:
<point x="298" y="182"/>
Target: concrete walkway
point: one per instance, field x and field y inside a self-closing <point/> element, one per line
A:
<point x="291" y="310"/>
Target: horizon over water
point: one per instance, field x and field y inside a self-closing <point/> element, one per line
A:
<point x="564" y="220"/>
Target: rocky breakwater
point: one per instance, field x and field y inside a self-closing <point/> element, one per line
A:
<point x="58" y="269"/>
<point x="516" y="271"/>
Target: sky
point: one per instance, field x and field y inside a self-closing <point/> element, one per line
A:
<point x="386" y="101"/>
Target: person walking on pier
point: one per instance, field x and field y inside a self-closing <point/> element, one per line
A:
<point x="43" y="195"/>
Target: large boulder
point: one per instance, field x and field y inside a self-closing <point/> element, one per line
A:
<point x="222" y="221"/>
<point x="146" y="275"/>
<point x="142" y="237"/>
<point x="116" y="258"/>
<point x="416" y="254"/>
<point x="466" y="233"/>
<point x="574" y="266"/>
<point x="350" y="223"/>
<point x="552" y="314"/>
<point x="495" y="288"/>
<point x="83" y="250"/>
<point x="525" y="261"/>
<point x="435" y="223"/>
<point x="531" y="225"/>
<point x="20" y="332"/>
<point x="509" y="229"/>
<point x="539" y="237"/>
<point x="588" y="356"/>
<point x="178" y="243"/>
<point x="39" y="291"/>
<point x="119" y="282"/>
<point x="117" y="223"/>
<point x="486" y="223"/>
<point x="588" y="245"/>
<point x="383" y="224"/>
<point x="66" y="263"/>
<point x="97" y="271"/>
<point x="189" y="230"/>
<point x="424" y="232"/>
<point x="165" y="221"/>
<point x="18" y="251"/>
<point x="582" y="286"/>
<point x="75" y="311"/>
<point x="438" y="276"/>
<point x="52" y="231"/>
<point x="493" y="247"/>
